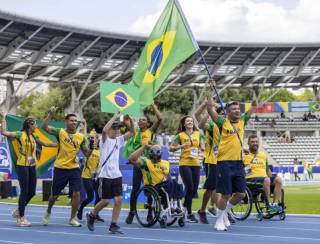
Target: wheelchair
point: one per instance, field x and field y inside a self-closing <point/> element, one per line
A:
<point x="157" y="207"/>
<point x="255" y="195"/>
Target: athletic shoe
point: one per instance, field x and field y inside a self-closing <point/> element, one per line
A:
<point x="212" y="211"/>
<point x="276" y="208"/>
<point x="203" y="217"/>
<point x="115" y="229"/>
<point x="74" y="222"/>
<point x="23" y="222"/>
<point x="226" y="220"/>
<point x="231" y="218"/>
<point x="219" y="226"/>
<point x="130" y="217"/>
<point x="15" y="214"/>
<point x="45" y="219"/>
<point x="90" y="221"/>
<point x="79" y="215"/>
<point x="99" y="219"/>
<point x="192" y="219"/>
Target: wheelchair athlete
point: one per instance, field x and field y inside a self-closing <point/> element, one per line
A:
<point x="155" y="172"/>
<point x="258" y="174"/>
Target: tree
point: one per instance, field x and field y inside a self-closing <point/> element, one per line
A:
<point x="307" y="95"/>
<point x="283" y="95"/>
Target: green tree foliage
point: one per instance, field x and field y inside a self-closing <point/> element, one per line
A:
<point x="283" y="95"/>
<point x="307" y="95"/>
<point x="37" y="105"/>
<point x="239" y="95"/>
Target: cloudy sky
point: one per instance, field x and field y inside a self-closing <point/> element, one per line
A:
<point x="210" y="20"/>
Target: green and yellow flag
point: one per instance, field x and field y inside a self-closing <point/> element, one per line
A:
<point x="119" y="98"/>
<point x="170" y="43"/>
<point x="45" y="155"/>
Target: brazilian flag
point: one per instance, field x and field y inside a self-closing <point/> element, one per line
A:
<point x="45" y="155"/>
<point x="170" y="43"/>
<point x="119" y="98"/>
<point x="314" y="107"/>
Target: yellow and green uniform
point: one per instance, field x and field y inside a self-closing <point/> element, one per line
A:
<point x="91" y="165"/>
<point x="27" y="149"/>
<point x="189" y="156"/>
<point x="258" y="163"/>
<point x="68" y="148"/>
<point x="154" y="174"/>
<point x="212" y="136"/>
<point x="139" y="139"/>
<point x="230" y="147"/>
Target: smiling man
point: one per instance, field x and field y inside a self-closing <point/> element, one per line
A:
<point x="66" y="166"/>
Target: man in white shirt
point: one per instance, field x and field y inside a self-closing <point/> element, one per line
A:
<point x="296" y="169"/>
<point x="110" y="175"/>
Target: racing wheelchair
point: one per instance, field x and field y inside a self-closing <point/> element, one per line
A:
<point x="153" y="205"/>
<point x="255" y="195"/>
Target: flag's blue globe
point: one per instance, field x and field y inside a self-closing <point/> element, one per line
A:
<point x="120" y="98"/>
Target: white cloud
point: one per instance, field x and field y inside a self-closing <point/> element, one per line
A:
<point x="245" y="20"/>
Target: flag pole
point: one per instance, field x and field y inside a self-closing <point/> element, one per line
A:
<point x="199" y="52"/>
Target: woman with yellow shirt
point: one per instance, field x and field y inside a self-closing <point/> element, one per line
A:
<point x="26" y="165"/>
<point x="88" y="175"/>
<point x="190" y="141"/>
<point x="145" y="134"/>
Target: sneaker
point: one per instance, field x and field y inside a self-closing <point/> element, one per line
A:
<point x="226" y="220"/>
<point x="130" y="217"/>
<point x="23" y="222"/>
<point x="90" y="221"/>
<point x="275" y="208"/>
<point x="99" y="219"/>
<point x="231" y="218"/>
<point x="15" y="214"/>
<point x="74" y="222"/>
<point x="45" y="219"/>
<point x="212" y="211"/>
<point x="203" y="217"/>
<point x="115" y="229"/>
<point x="191" y="218"/>
<point x="219" y="226"/>
<point x="79" y="215"/>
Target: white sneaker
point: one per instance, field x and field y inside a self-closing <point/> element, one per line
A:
<point x="219" y="226"/>
<point x="74" y="222"/>
<point x="226" y="220"/>
<point x="15" y="214"/>
<point x="23" y="222"/>
<point x="45" y="219"/>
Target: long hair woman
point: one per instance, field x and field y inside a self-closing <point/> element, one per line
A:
<point x="26" y="165"/>
<point x="190" y="141"/>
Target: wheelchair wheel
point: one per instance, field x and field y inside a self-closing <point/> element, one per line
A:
<point x="147" y="212"/>
<point x="261" y="205"/>
<point x="181" y="222"/>
<point x="243" y="209"/>
<point x="283" y="205"/>
<point x="282" y="216"/>
<point x="172" y="221"/>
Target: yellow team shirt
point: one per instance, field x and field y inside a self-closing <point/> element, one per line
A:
<point x="69" y="146"/>
<point x="27" y="149"/>
<point x="91" y="165"/>
<point x="258" y="164"/>
<point x="230" y="148"/>
<point x="212" y="136"/>
<point x="154" y="174"/>
<point x="190" y="155"/>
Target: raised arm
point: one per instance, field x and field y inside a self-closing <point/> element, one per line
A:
<point x="129" y="124"/>
<point x="6" y="133"/>
<point x="47" y="120"/>
<point x="212" y="110"/>
<point x="157" y="113"/>
<point x="45" y="144"/>
<point x="203" y="121"/>
<point x="199" y="111"/>
<point x="134" y="158"/>
<point x="84" y="129"/>
<point x="108" y="125"/>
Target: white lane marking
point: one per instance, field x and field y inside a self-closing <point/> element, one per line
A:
<point x="15" y="242"/>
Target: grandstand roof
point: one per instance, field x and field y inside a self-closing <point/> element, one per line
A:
<point x="36" y="50"/>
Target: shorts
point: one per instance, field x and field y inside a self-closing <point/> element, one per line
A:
<point x="256" y="181"/>
<point x="205" y="167"/>
<point x="211" y="181"/>
<point x="111" y="187"/>
<point x="230" y="177"/>
<point x="61" y="177"/>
